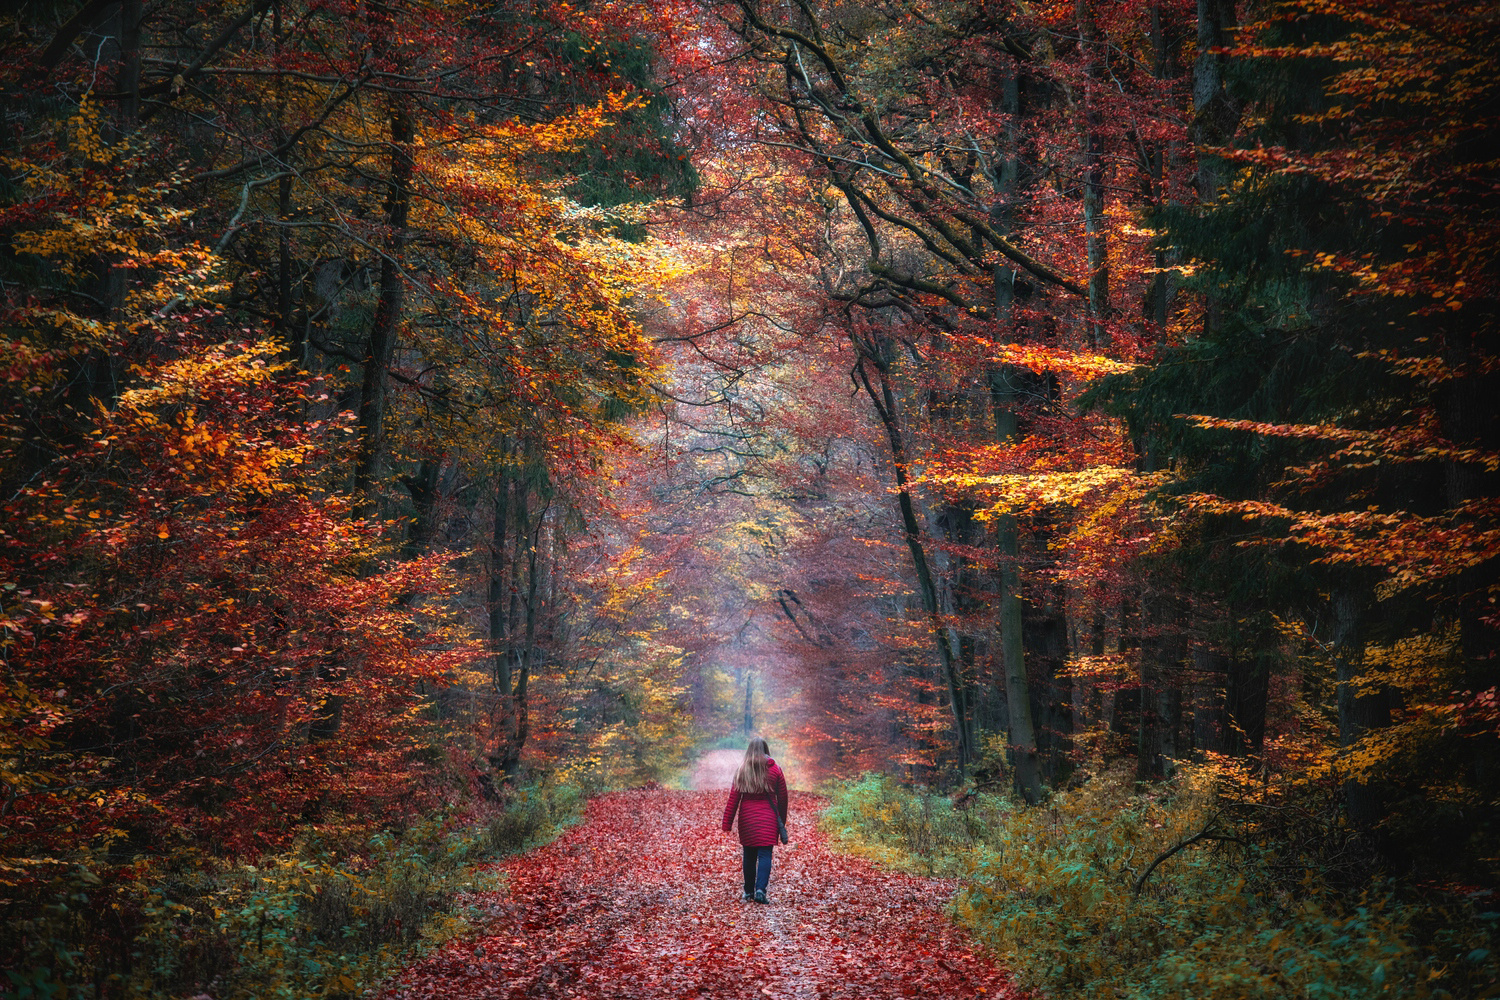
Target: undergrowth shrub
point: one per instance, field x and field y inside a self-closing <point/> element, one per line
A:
<point x="326" y="920"/>
<point x="875" y="817"/>
<point x="1062" y="894"/>
<point x="534" y="816"/>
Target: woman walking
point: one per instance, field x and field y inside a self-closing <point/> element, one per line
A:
<point x="759" y="795"/>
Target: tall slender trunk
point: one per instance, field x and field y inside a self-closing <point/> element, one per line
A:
<point x="749" y="715"/>
<point x="1026" y="763"/>
<point x="386" y="326"/>
<point x="884" y="401"/>
<point x="1045" y="628"/>
<point x="497" y="604"/>
<point x="514" y="616"/>
<point x="1025" y="760"/>
<point x="1095" y="233"/>
<point x="1161" y="691"/>
<point x="130" y="63"/>
<point x="501" y="603"/>
<point x="1359" y="713"/>
<point x="520" y="699"/>
<point x="1215" y="112"/>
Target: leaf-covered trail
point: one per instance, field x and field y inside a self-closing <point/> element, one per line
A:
<point x="642" y="901"/>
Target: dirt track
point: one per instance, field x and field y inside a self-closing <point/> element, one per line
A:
<point x="642" y="901"/>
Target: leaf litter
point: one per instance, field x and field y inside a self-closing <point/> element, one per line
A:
<point x="642" y="900"/>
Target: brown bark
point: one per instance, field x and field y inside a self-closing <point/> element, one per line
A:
<point x="1025" y="760"/>
<point x="386" y="327"/>
<point x="884" y="401"/>
<point x="1095" y="234"/>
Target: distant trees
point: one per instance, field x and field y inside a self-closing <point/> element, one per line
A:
<point x="960" y="156"/>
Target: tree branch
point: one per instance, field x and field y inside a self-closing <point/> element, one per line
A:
<point x="1207" y="833"/>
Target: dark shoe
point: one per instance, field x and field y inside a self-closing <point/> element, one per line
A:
<point x="749" y="896"/>
<point x="760" y="896"/>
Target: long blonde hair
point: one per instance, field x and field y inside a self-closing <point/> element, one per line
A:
<point x="754" y="775"/>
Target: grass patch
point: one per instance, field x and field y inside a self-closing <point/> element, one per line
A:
<point x="913" y="829"/>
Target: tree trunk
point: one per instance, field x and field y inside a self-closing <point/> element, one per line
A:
<point x="1215" y="113"/>
<point x="884" y="401"/>
<point x="386" y="327"/>
<point x="130" y="63"/>
<point x="499" y="612"/>
<point x="1161" y="690"/>
<point x="423" y="487"/>
<point x="749" y="715"/>
<point x="1045" y="631"/>
<point x="1025" y="761"/>
<point x="1210" y="677"/>
<point x="1004" y="398"/>
<point x="1246" y="695"/>
<point x="1024" y="758"/>
<point x="1358" y="713"/>
<point x="1161" y="717"/>
<point x="512" y="696"/>
<point x="520" y="700"/>
<point x="1093" y="182"/>
<point x="1148" y="747"/>
<point x="1124" y="716"/>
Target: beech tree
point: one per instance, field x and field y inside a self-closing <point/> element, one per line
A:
<point x="181" y="584"/>
<point x="945" y="156"/>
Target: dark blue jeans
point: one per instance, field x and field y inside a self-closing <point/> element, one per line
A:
<point x="757" y="868"/>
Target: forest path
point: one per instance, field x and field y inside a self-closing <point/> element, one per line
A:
<point x="642" y="901"/>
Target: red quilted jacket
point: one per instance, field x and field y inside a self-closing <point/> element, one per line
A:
<point x="757" y="822"/>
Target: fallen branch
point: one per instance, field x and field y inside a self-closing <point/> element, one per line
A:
<point x="1207" y="833"/>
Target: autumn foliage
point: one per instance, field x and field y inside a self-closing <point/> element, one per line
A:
<point x="675" y="926"/>
<point x="414" y="412"/>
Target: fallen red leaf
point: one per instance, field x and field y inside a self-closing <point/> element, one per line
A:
<point x="642" y="901"/>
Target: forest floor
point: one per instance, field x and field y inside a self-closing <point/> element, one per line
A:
<point x="642" y="900"/>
